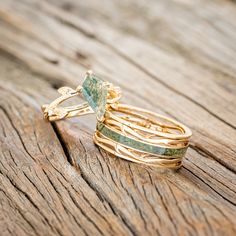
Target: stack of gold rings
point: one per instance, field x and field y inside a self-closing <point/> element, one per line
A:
<point x="128" y="132"/>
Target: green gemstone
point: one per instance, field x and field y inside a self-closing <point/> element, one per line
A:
<point x="95" y="93"/>
<point x="141" y="146"/>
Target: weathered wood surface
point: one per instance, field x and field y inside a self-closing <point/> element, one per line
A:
<point x="173" y="57"/>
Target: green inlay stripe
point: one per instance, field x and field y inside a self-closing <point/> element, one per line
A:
<point x="141" y="146"/>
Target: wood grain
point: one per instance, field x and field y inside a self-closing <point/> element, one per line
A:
<point x="173" y="57"/>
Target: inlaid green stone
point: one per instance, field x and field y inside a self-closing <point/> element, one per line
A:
<point x="95" y="93"/>
<point x="141" y="146"/>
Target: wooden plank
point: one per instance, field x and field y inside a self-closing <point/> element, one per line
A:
<point x="48" y="195"/>
<point x="43" y="194"/>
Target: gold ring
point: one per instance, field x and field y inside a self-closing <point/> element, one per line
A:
<point x="142" y="136"/>
<point x="129" y="132"/>
<point x="95" y="91"/>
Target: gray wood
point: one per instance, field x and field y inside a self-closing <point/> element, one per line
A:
<point x="173" y="57"/>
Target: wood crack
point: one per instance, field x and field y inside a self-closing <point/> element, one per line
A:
<point x="28" y="197"/>
<point x="67" y="211"/>
<point x="34" y="229"/>
<point x="17" y="132"/>
<point x="222" y="196"/>
<point x="62" y="142"/>
<point x="182" y="213"/>
<point x="203" y="152"/>
<point x="95" y="210"/>
<point x="167" y="210"/>
<point x="102" y="199"/>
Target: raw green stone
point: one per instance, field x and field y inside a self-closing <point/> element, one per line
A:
<point x="95" y="93"/>
<point x="141" y="146"/>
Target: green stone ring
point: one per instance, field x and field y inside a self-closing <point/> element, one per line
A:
<point x="94" y="90"/>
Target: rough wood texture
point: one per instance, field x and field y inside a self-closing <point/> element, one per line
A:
<point x="174" y="57"/>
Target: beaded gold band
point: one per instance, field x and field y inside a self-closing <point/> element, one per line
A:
<point x="129" y="132"/>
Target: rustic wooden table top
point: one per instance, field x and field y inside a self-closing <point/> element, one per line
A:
<point x="176" y="57"/>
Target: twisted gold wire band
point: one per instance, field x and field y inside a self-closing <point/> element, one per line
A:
<point x="142" y="136"/>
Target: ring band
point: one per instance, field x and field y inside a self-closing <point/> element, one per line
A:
<point x="142" y="136"/>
